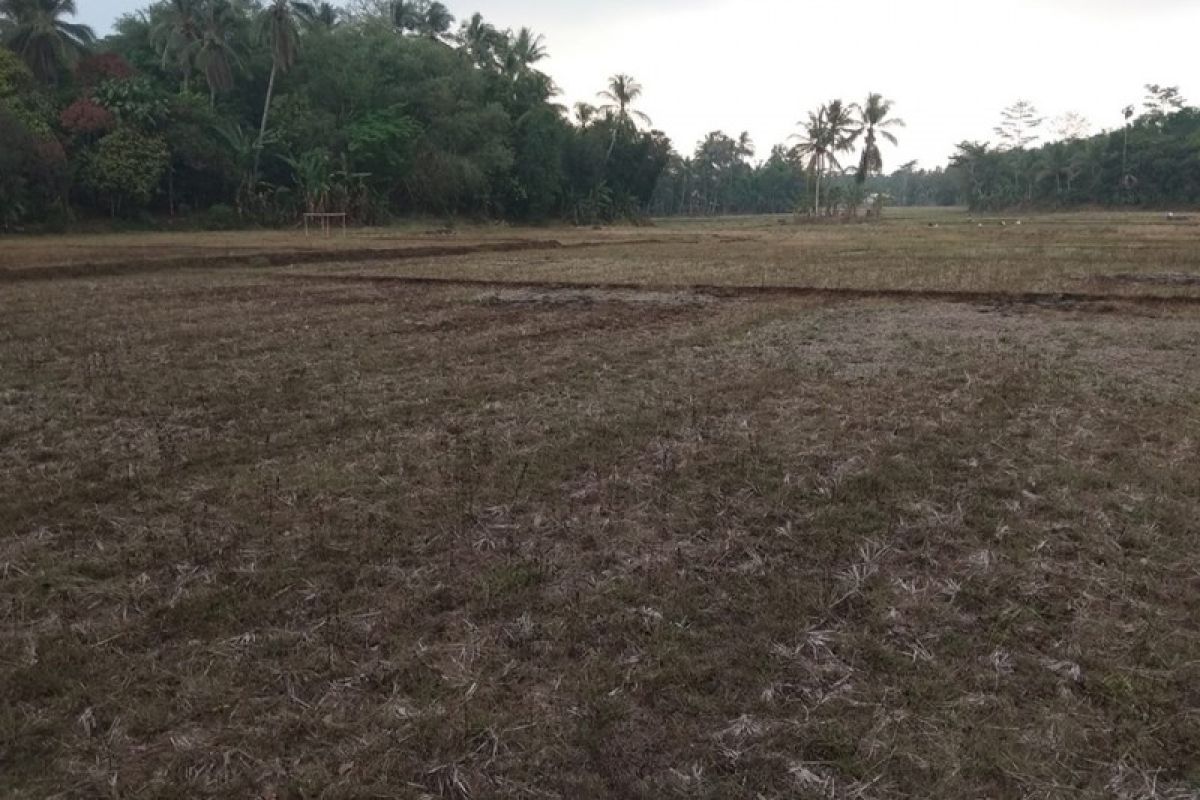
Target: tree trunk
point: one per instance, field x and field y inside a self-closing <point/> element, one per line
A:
<point x="817" y="198"/>
<point x="262" y="127"/>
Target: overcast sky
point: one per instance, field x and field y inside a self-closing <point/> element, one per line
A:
<point x="759" y="66"/>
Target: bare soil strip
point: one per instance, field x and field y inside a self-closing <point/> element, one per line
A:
<point x="1107" y="302"/>
<point x="89" y="269"/>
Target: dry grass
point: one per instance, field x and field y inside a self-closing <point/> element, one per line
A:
<point x="1085" y="254"/>
<point x="289" y="538"/>
<point x="23" y="252"/>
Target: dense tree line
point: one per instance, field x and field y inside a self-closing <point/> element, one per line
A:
<point x="1152" y="161"/>
<point x="252" y="112"/>
<point x="720" y="177"/>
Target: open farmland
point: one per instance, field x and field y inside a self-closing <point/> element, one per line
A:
<point x="714" y="509"/>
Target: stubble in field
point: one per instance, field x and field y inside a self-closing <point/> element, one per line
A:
<point x="274" y="537"/>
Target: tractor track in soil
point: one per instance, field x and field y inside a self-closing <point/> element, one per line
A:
<point x="96" y="269"/>
<point x="1095" y="301"/>
<point x="1102" y="302"/>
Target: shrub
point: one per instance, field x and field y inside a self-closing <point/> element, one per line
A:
<point x="86" y="116"/>
<point x="126" y="167"/>
<point x="15" y="77"/>
<point x="32" y="171"/>
<point x="220" y="217"/>
<point x="99" y="67"/>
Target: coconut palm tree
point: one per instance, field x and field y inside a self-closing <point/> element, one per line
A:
<point x="827" y="132"/>
<point x="584" y="114"/>
<point x="1127" y="113"/>
<point x="215" y="55"/>
<point x="436" y="20"/>
<point x="622" y="92"/>
<point x="874" y="121"/>
<point x="176" y="33"/>
<point x="35" y="31"/>
<point x="745" y="146"/>
<point x="322" y="16"/>
<point x="406" y="15"/>
<point x="277" y="26"/>
<point x="521" y="52"/>
<point x="480" y="40"/>
<point x="813" y="145"/>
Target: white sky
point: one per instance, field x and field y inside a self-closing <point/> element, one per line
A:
<point x="950" y="66"/>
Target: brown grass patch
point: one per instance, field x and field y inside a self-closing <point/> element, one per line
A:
<point x="298" y="538"/>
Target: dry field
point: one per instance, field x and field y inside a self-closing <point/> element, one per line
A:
<point x="320" y="530"/>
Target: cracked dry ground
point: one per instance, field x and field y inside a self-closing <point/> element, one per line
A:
<point x="285" y="539"/>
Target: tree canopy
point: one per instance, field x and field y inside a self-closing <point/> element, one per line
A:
<point x="274" y="108"/>
<point x="262" y="109"/>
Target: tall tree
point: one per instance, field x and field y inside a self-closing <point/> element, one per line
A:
<point x="745" y="146"/>
<point x="972" y="160"/>
<point x="407" y="15"/>
<point x="585" y="113"/>
<point x="1162" y="100"/>
<point x="215" y="53"/>
<point x="874" y="121"/>
<point x="35" y="30"/>
<point x="1126" y="179"/>
<point x="1071" y="126"/>
<point x="176" y="34"/>
<point x="320" y="17"/>
<point x="277" y="27"/>
<point x="480" y="39"/>
<point x="521" y="51"/>
<point x="828" y="131"/>
<point x="435" y="21"/>
<point x="622" y="92"/>
<point x="1018" y="125"/>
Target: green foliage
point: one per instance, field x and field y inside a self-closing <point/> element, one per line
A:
<point x="1018" y="126"/>
<point x="313" y="176"/>
<point x="1154" y="162"/>
<point x="202" y="170"/>
<point x="15" y="77"/>
<point x="323" y="108"/>
<point x="299" y="125"/>
<point x="382" y="144"/>
<point x="828" y="132"/>
<point x="220" y="217"/>
<point x="539" y="175"/>
<point x="136" y="102"/>
<point x="16" y="145"/>
<point x="21" y="96"/>
<point x="32" y="172"/>
<point x="276" y="106"/>
<point x="874" y="119"/>
<point x="37" y="32"/>
<point x="126" y="167"/>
